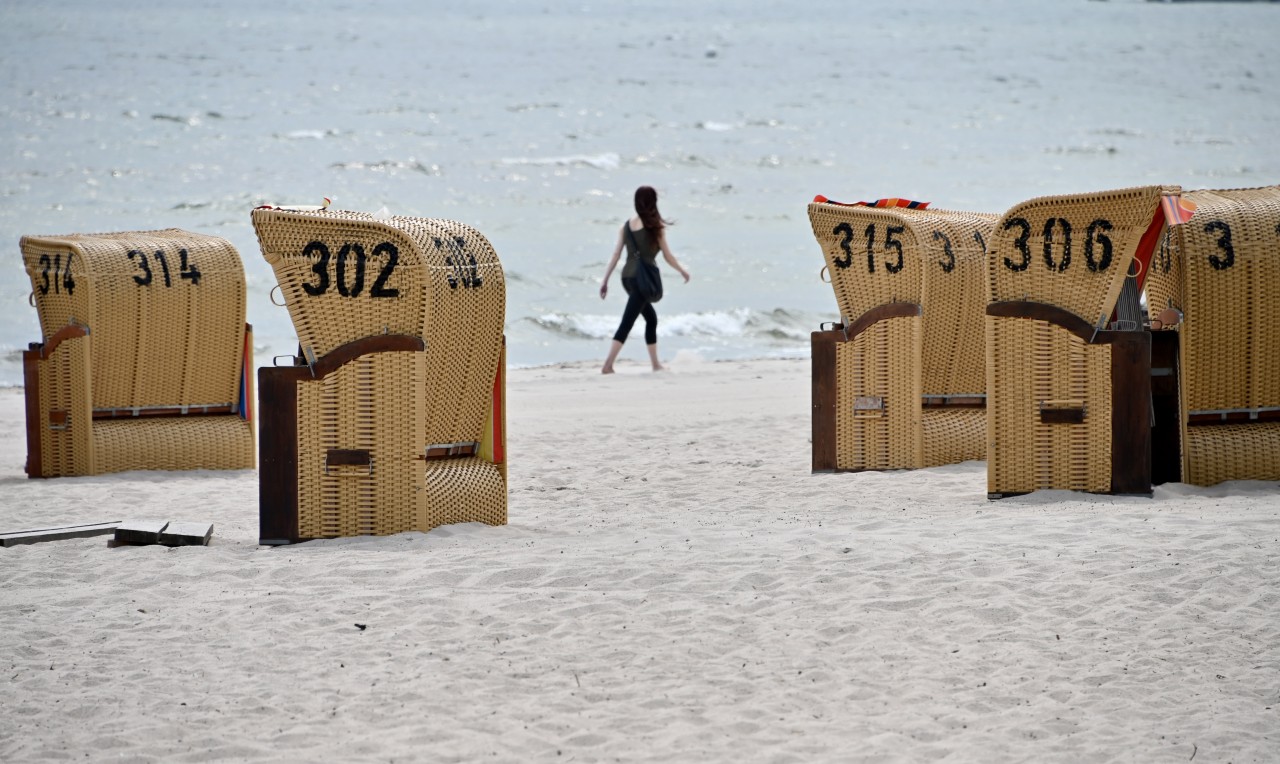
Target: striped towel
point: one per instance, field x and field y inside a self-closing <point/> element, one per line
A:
<point x="1177" y="209"/>
<point x="894" y="202"/>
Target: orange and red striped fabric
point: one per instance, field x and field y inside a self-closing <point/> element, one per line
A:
<point x="892" y="202"/>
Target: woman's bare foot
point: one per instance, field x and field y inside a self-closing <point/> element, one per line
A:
<point x="607" y="370"/>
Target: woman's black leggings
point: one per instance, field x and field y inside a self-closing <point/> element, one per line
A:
<point x="637" y="306"/>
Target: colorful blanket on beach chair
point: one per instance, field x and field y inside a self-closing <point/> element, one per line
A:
<point x="891" y="202"/>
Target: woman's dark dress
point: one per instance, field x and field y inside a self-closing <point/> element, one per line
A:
<point x="637" y="305"/>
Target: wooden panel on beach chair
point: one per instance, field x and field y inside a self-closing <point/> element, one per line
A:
<point x="1069" y="400"/>
<point x="139" y="326"/>
<point x="397" y="421"/>
<point x="1222" y="271"/>
<point x="923" y="272"/>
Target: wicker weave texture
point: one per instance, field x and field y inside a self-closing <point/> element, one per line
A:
<point x="1232" y="452"/>
<point x="1164" y="282"/>
<point x="878" y="397"/>
<point x="937" y="258"/>
<point x="173" y="443"/>
<point x="873" y="255"/>
<point x="1033" y="365"/>
<point x="347" y="276"/>
<point x="166" y="310"/>
<point x="1230" y="255"/>
<point x="1072" y="251"/>
<point x="954" y="435"/>
<point x="66" y="447"/>
<point x="954" y="300"/>
<point x="381" y="404"/>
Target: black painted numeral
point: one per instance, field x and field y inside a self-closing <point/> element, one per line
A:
<point x="349" y="269"/>
<point x="1097" y="232"/>
<point x="68" y="283"/>
<point x="977" y="236"/>
<point x="61" y="280"/>
<point x="847" y="231"/>
<point x="1020" y="243"/>
<point x="355" y="289"/>
<point x="1224" y="243"/>
<point x="379" y="288"/>
<point x="1166" y="253"/>
<point x="44" y="274"/>
<point x="891" y="242"/>
<point x="319" y="267"/>
<point x="187" y="269"/>
<point x="1049" y="225"/>
<point x="164" y="267"/>
<point x="466" y="271"/>
<point x="949" y="264"/>
<point x="146" y="276"/>
<point x="141" y="258"/>
<point x="871" y="243"/>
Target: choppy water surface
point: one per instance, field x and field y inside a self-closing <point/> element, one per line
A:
<point x="534" y="123"/>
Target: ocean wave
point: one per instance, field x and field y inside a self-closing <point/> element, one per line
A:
<point x="779" y="325"/>
<point x="605" y="161"/>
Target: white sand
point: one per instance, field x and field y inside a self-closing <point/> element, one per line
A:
<point x="674" y="584"/>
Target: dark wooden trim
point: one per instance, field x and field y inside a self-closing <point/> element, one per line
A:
<point x="1234" y="417"/>
<point x="1166" y="432"/>
<point x="31" y="360"/>
<point x="824" y="397"/>
<point x="1043" y="311"/>
<point x="278" y="453"/>
<point x="935" y="402"/>
<point x="348" y="457"/>
<point x="379" y="343"/>
<point x="278" y="431"/>
<point x="70" y="331"/>
<point x="168" y="411"/>
<point x="1130" y="412"/>
<point x="1062" y="416"/>
<point x="881" y="313"/>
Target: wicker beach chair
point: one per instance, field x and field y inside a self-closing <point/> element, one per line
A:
<point x="393" y="418"/>
<point x="145" y="354"/>
<point x="1222" y="272"/>
<point x="1068" y="375"/>
<point x="901" y="383"/>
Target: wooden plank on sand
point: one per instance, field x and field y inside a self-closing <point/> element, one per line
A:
<point x="56" y="534"/>
<point x="140" y="531"/>
<point x="186" y="534"/>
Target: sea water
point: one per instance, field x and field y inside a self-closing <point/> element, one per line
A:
<point x="534" y="122"/>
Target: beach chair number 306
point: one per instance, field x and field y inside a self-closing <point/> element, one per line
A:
<point x="1096" y="232"/>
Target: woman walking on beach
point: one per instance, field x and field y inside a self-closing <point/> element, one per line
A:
<point x="643" y="236"/>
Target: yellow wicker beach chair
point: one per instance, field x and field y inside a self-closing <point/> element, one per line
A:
<point x="394" y="417"/>
<point x="145" y="354"/>
<point x="901" y="384"/>
<point x="1221" y="270"/>
<point x="1068" y="380"/>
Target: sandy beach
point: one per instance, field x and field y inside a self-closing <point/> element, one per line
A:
<point x="673" y="585"/>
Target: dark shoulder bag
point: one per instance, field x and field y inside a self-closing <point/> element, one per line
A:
<point x="648" y="278"/>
